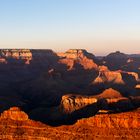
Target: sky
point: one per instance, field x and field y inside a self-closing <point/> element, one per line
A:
<point x="99" y="26"/>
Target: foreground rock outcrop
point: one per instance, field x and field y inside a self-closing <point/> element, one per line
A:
<point x="15" y="125"/>
<point x="15" y="113"/>
<point x="120" y="126"/>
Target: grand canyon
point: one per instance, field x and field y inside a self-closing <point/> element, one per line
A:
<point x="46" y="95"/>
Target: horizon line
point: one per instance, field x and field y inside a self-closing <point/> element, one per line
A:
<point x="67" y="50"/>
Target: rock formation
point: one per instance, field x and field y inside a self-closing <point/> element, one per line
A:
<point x="78" y="56"/>
<point x="38" y="81"/>
<point x="107" y="76"/>
<point x="121" y="61"/>
<point x="109" y="93"/>
<point x="70" y="103"/>
<point x="15" y="125"/>
<point x="116" y="60"/>
<point x="14" y="113"/>
<point x="112" y="125"/>
<point x="115" y="77"/>
<point x="23" y="54"/>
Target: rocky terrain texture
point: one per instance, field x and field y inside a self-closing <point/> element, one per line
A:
<point x="59" y="89"/>
<point x="15" y="125"/>
<point x="74" y="57"/>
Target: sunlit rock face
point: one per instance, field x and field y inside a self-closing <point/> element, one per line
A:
<point x="109" y="93"/>
<point x="73" y="57"/>
<point x="14" y="113"/>
<point x="70" y="103"/>
<point x="106" y="76"/>
<point x="138" y="86"/>
<point x="113" y="100"/>
<point x="117" y="125"/>
<point x="15" y="125"/>
<point x="27" y="56"/>
<point x="18" y="54"/>
<point x="134" y="74"/>
<point x="127" y="120"/>
<point x="115" y="77"/>
<point x="75" y="54"/>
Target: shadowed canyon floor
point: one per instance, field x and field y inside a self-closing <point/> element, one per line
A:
<point x="69" y="95"/>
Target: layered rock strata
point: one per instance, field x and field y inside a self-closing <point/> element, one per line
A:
<point x="120" y="126"/>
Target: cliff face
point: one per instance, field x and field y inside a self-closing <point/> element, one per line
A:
<point x="122" y="120"/>
<point x="26" y="56"/>
<point x="115" y="77"/>
<point x="71" y="103"/>
<point x="14" y="114"/>
<point x="109" y="100"/>
<point x="78" y="56"/>
<point x="107" y="76"/>
<point x="18" y="54"/>
<point x="113" y="125"/>
<point x="76" y="53"/>
<point x="15" y="125"/>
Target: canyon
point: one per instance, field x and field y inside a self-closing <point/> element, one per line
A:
<point x="70" y="95"/>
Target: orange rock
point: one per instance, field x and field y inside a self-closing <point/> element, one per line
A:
<point x="110" y="93"/>
<point x="3" y="60"/>
<point x="24" y="54"/>
<point x="105" y="75"/>
<point x="79" y="56"/>
<point x="14" y="113"/>
<point x="70" y="103"/>
<point x="138" y="86"/>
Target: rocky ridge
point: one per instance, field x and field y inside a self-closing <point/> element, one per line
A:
<point x="105" y="75"/>
<point x="117" y="124"/>
<point x="71" y="103"/>
<point x="74" y="56"/>
<point x="19" y="54"/>
<point x="115" y="77"/>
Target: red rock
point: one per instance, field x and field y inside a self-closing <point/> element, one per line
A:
<point x="109" y="93"/>
<point x="106" y="76"/>
<point x="82" y="57"/>
<point x="14" y="113"/>
<point x="23" y="54"/>
<point x="70" y="103"/>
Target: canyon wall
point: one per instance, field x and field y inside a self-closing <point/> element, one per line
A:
<point x="123" y="125"/>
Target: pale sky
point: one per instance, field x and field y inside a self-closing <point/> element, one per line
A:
<point x="100" y="26"/>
